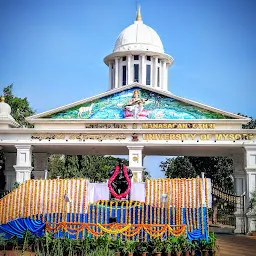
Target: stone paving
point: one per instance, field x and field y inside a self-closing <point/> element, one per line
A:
<point x="236" y="245"/>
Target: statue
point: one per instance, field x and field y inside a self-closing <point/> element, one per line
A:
<point x="134" y="108"/>
<point x="120" y="181"/>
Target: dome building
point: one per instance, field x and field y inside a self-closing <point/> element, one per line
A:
<point x="138" y="56"/>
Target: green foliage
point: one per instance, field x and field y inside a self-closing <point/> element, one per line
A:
<point x="156" y="245"/>
<point x="218" y="169"/>
<point x="15" y="185"/>
<point x="252" y="203"/>
<point x="20" y="106"/>
<point x="117" y="245"/>
<point x="95" y="168"/>
<point x="179" y="167"/>
<point x="210" y="244"/>
<point x="129" y="246"/>
<point x="104" y="245"/>
<point x="141" y="247"/>
<point x="249" y="125"/>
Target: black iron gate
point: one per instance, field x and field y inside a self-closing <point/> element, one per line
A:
<point x="224" y="206"/>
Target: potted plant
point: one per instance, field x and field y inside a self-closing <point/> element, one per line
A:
<point x="3" y="243"/>
<point x="157" y="246"/>
<point x="212" y="243"/>
<point x="129" y="247"/>
<point x="176" y="246"/>
<point x="117" y="246"/>
<point x="142" y="248"/>
<point x="167" y="247"/>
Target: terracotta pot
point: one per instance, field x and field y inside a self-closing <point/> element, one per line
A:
<point x="130" y="253"/>
<point x="193" y="253"/>
<point x="158" y="254"/>
<point x="205" y="253"/>
<point x="17" y="253"/>
<point x="187" y="253"/>
<point x="168" y="254"/>
<point x="117" y="253"/>
<point x="178" y="253"/>
<point x="143" y="254"/>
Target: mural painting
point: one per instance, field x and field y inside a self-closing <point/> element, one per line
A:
<point x="136" y="103"/>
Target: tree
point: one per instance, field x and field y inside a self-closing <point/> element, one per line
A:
<point x="179" y="167"/>
<point x="20" y="106"/>
<point x="94" y="168"/>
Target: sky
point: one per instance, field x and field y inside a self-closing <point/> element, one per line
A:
<point x="52" y="50"/>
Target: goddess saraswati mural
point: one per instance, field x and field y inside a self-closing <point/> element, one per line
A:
<point x="136" y="103"/>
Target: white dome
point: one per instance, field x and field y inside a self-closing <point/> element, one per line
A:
<point x="5" y="108"/>
<point x="139" y="36"/>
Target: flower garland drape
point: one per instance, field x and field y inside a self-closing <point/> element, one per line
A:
<point x="112" y="178"/>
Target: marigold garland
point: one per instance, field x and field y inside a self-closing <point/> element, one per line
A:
<point x="115" y="228"/>
<point x="207" y="205"/>
<point x="159" y="201"/>
<point x="193" y="204"/>
<point x="150" y="202"/>
<point x="155" y="198"/>
<point x="197" y="202"/>
<point x="84" y="199"/>
<point x="201" y="205"/>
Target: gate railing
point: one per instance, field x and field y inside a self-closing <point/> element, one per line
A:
<point x="225" y="205"/>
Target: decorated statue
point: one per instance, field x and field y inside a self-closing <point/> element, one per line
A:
<point x="119" y="183"/>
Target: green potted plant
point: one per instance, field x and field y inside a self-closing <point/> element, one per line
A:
<point x="188" y="247"/>
<point x="167" y="247"/>
<point x="117" y="246"/>
<point x="129" y="247"/>
<point x="3" y="243"/>
<point x="212" y="243"/>
<point x="157" y="246"/>
<point x="142" y="248"/>
<point x="176" y="246"/>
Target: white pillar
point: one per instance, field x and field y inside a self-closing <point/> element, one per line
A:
<point x="155" y="64"/>
<point x="161" y="74"/>
<point x="23" y="166"/>
<point x="164" y="75"/>
<point x="129" y="75"/>
<point x="9" y="172"/>
<point x="240" y="189"/>
<point x="110" y="75"/>
<point x="135" y="162"/>
<point x="40" y="165"/>
<point x="166" y="78"/>
<point x="142" y="75"/>
<point x="116" y="72"/>
<point x="120" y="73"/>
<point x="250" y="159"/>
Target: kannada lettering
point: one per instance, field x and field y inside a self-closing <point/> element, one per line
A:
<point x="106" y="126"/>
<point x="78" y="136"/>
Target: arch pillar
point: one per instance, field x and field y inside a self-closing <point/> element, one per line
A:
<point x="23" y="166"/>
<point x="250" y="169"/>
<point x="240" y="189"/>
<point x="136" y="162"/>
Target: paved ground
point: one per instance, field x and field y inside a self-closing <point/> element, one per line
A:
<point x="236" y="245"/>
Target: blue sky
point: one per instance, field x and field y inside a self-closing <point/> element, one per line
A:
<point x="52" y="51"/>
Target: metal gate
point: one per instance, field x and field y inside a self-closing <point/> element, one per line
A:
<point x="224" y="206"/>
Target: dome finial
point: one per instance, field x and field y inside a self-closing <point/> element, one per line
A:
<point x="138" y="16"/>
<point x="2" y="98"/>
